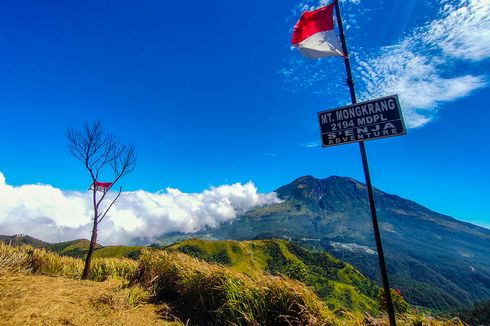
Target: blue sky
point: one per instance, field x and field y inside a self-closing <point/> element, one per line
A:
<point x="211" y="93"/>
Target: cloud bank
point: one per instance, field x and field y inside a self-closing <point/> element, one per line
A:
<point x="54" y="215"/>
<point x="431" y="65"/>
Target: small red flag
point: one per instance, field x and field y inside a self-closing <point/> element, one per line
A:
<point x="101" y="186"/>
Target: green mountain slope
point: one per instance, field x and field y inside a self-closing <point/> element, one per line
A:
<point x="79" y="248"/>
<point x="340" y="285"/>
<point x="436" y="261"/>
<point x="75" y="248"/>
<point x="132" y="252"/>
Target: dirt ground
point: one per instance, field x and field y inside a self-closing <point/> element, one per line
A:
<point x="40" y="300"/>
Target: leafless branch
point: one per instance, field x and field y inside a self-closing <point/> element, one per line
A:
<point x="97" y="151"/>
<point x="109" y="207"/>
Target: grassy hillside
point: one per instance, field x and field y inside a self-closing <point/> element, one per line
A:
<point x="338" y="284"/>
<point x="75" y="248"/>
<point x="132" y="252"/>
<point x="79" y="248"/>
<point x="39" y="287"/>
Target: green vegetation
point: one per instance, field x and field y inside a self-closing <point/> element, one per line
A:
<point x="399" y="304"/>
<point x="132" y="252"/>
<point x="338" y="284"/>
<point x="479" y="314"/>
<point x="75" y="248"/>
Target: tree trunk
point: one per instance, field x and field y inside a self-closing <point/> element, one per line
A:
<point x="88" y="260"/>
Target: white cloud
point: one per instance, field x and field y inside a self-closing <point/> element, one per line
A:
<point x="430" y="66"/>
<point x="311" y="144"/>
<point x="312" y="5"/>
<point x="416" y="78"/>
<point x="463" y="30"/>
<point x="55" y="215"/>
<point x="415" y="67"/>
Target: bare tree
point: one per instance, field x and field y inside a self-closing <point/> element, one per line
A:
<point x="98" y="151"/>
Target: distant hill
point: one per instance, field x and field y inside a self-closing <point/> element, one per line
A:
<point x="79" y="248"/>
<point x="22" y="239"/>
<point x="132" y="252"/>
<point x="338" y="284"/>
<point x="75" y="248"/>
<point x="436" y="260"/>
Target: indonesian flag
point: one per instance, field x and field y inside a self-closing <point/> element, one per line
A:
<point x="101" y="186"/>
<point x="314" y="34"/>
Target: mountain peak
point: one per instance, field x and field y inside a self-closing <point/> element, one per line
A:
<point x="305" y="178"/>
<point x="309" y="187"/>
<point x="303" y="187"/>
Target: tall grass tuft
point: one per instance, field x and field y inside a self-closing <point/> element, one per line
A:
<point x="117" y="268"/>
<point x="40" y="261"/>
<point x="12" y="259"/>
<point x="52" y="264"/>
<point x="209" y="294"/>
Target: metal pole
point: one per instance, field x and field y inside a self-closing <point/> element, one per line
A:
<point x="362" y="148"/>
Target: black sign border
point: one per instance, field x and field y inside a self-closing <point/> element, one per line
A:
<point x="360" y="103"/>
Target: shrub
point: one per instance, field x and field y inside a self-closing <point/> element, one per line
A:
<point x="399" y="304"/>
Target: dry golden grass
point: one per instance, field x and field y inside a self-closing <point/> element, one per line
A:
<point x="43" y="300"/>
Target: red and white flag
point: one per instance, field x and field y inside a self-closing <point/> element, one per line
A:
<point x="314" y="34"/>
<point x="101" y="186"/>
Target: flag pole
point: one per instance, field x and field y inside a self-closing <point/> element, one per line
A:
<point x="362" y="148"/>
